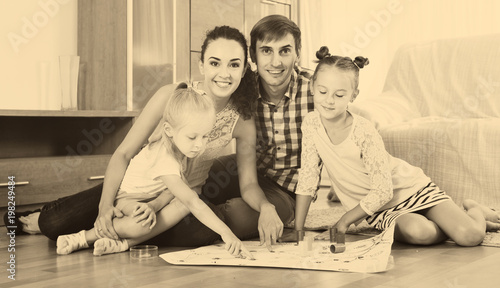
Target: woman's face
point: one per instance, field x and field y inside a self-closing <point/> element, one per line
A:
<point x="223" y="67"/>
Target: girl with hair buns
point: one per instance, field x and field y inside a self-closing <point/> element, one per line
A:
<point x="370" y="183"/>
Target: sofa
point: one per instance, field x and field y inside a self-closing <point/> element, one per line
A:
<point x="440" y="110"/>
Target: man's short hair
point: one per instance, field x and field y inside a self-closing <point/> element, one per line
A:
<point x="274" y="27"/>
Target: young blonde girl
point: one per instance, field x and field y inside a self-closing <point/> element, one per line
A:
<point x="370" y="183"/>
<point x="154" y="187"/>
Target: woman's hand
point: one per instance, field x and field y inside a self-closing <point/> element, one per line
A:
<point x="270" y="226"/>
<point x="103" y="225"/>
<point x="145" y="213"/>
<point x="235" y="247"/>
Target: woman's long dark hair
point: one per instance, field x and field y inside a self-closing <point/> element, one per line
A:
<point x="245" y="96"/>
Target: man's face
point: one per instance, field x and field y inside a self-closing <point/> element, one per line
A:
<point x="223" y="67"/>
<point x="275" y="60"/>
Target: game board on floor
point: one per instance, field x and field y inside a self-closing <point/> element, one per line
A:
<point x="367" y="256"/>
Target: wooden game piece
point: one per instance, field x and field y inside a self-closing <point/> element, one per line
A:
<point x="300" y="235"/>
<point x="333" y="232"/>
<point x="338" y="241"/>
<point x="309" y="239"/>
<point x="306" y="245"/>
<point x="337" y="248"/>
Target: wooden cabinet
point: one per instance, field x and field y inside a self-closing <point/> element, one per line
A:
<point x="128" y="50"/>
<point x="102" y="47"/>
<point x="205" y="15"/>
<point x="53" y="154"/>
<point x="43" y="179"/>
<point x="240" y="14"/>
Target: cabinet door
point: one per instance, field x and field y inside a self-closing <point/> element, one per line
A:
<point x="205" y="15"/>
<point x="51" y="177"/>
<point x="257" y="9"/>
<point x="153" y="48"/>
<point x="102" y="47"/>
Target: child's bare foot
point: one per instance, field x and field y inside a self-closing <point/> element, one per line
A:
<point x="107" y="246"/>
<point x="491" y="216"/>
<point x="71" y="242"/>
<point x="492" y="226"/>
<point x="30" y="223"/>
<point x="332" y="196"/>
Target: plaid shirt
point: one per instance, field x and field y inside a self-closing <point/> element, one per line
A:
<point x="278" y="131"/>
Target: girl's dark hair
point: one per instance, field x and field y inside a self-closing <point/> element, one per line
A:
<point x="342" y="63"/>
<point x="245" y="96"/>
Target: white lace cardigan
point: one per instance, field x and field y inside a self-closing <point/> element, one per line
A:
<point x="360" y="169"/>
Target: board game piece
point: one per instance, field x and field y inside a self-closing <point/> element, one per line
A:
<point x="306" y="245"/>
<point x="300" y="235"/>
<point x="338" y="241"/>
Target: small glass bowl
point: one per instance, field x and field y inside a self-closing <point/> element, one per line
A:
<point x="143" y="252"/>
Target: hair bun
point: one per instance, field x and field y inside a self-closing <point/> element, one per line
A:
<point x="361" y="61"/>
<point x="322" y="53"/>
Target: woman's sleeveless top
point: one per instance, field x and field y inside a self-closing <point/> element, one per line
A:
<point x="197" y="168"/>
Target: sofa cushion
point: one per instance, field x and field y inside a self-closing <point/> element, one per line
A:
<point x="459" y="155"/>
<point x="387" y="108"/>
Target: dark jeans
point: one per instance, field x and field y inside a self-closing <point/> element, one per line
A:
<point x="70" y="214"/>
<point x="79" y="211"/>
<point x="221" y="193"/>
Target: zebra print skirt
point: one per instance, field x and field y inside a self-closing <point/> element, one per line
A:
<point x="426" y="197"/>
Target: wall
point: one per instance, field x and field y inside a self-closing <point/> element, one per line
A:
<point x="376" y="28"/>
<point x="38" y="31"/>
<point x="34" y="33"/>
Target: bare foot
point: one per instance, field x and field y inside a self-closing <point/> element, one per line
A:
<point x="491" y="216"/>
<point x="30" y="223"/>
<point x="492" y="226"/>
<point x="332" y="196"/>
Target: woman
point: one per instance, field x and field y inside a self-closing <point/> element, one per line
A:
<point x="227" y="81"/>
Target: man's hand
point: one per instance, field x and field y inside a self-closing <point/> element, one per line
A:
<point x="289" y="235"/>
<point x="270" y="226"/>
<point x="104" y="223"/>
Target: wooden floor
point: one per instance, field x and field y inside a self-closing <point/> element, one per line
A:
<point x="445" y="265"/>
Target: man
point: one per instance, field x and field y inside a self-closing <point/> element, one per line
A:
<point x="284" y="99"/>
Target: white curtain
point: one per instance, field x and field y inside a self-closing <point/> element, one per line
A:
<point x="153" y="45"/>
<point x="153" y="32"/>
<point x="376" y="28"/>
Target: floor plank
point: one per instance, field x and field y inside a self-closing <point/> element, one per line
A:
<point x="444" y="265"/>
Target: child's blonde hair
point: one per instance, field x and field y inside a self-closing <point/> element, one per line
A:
<point x="181" y="106"/>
